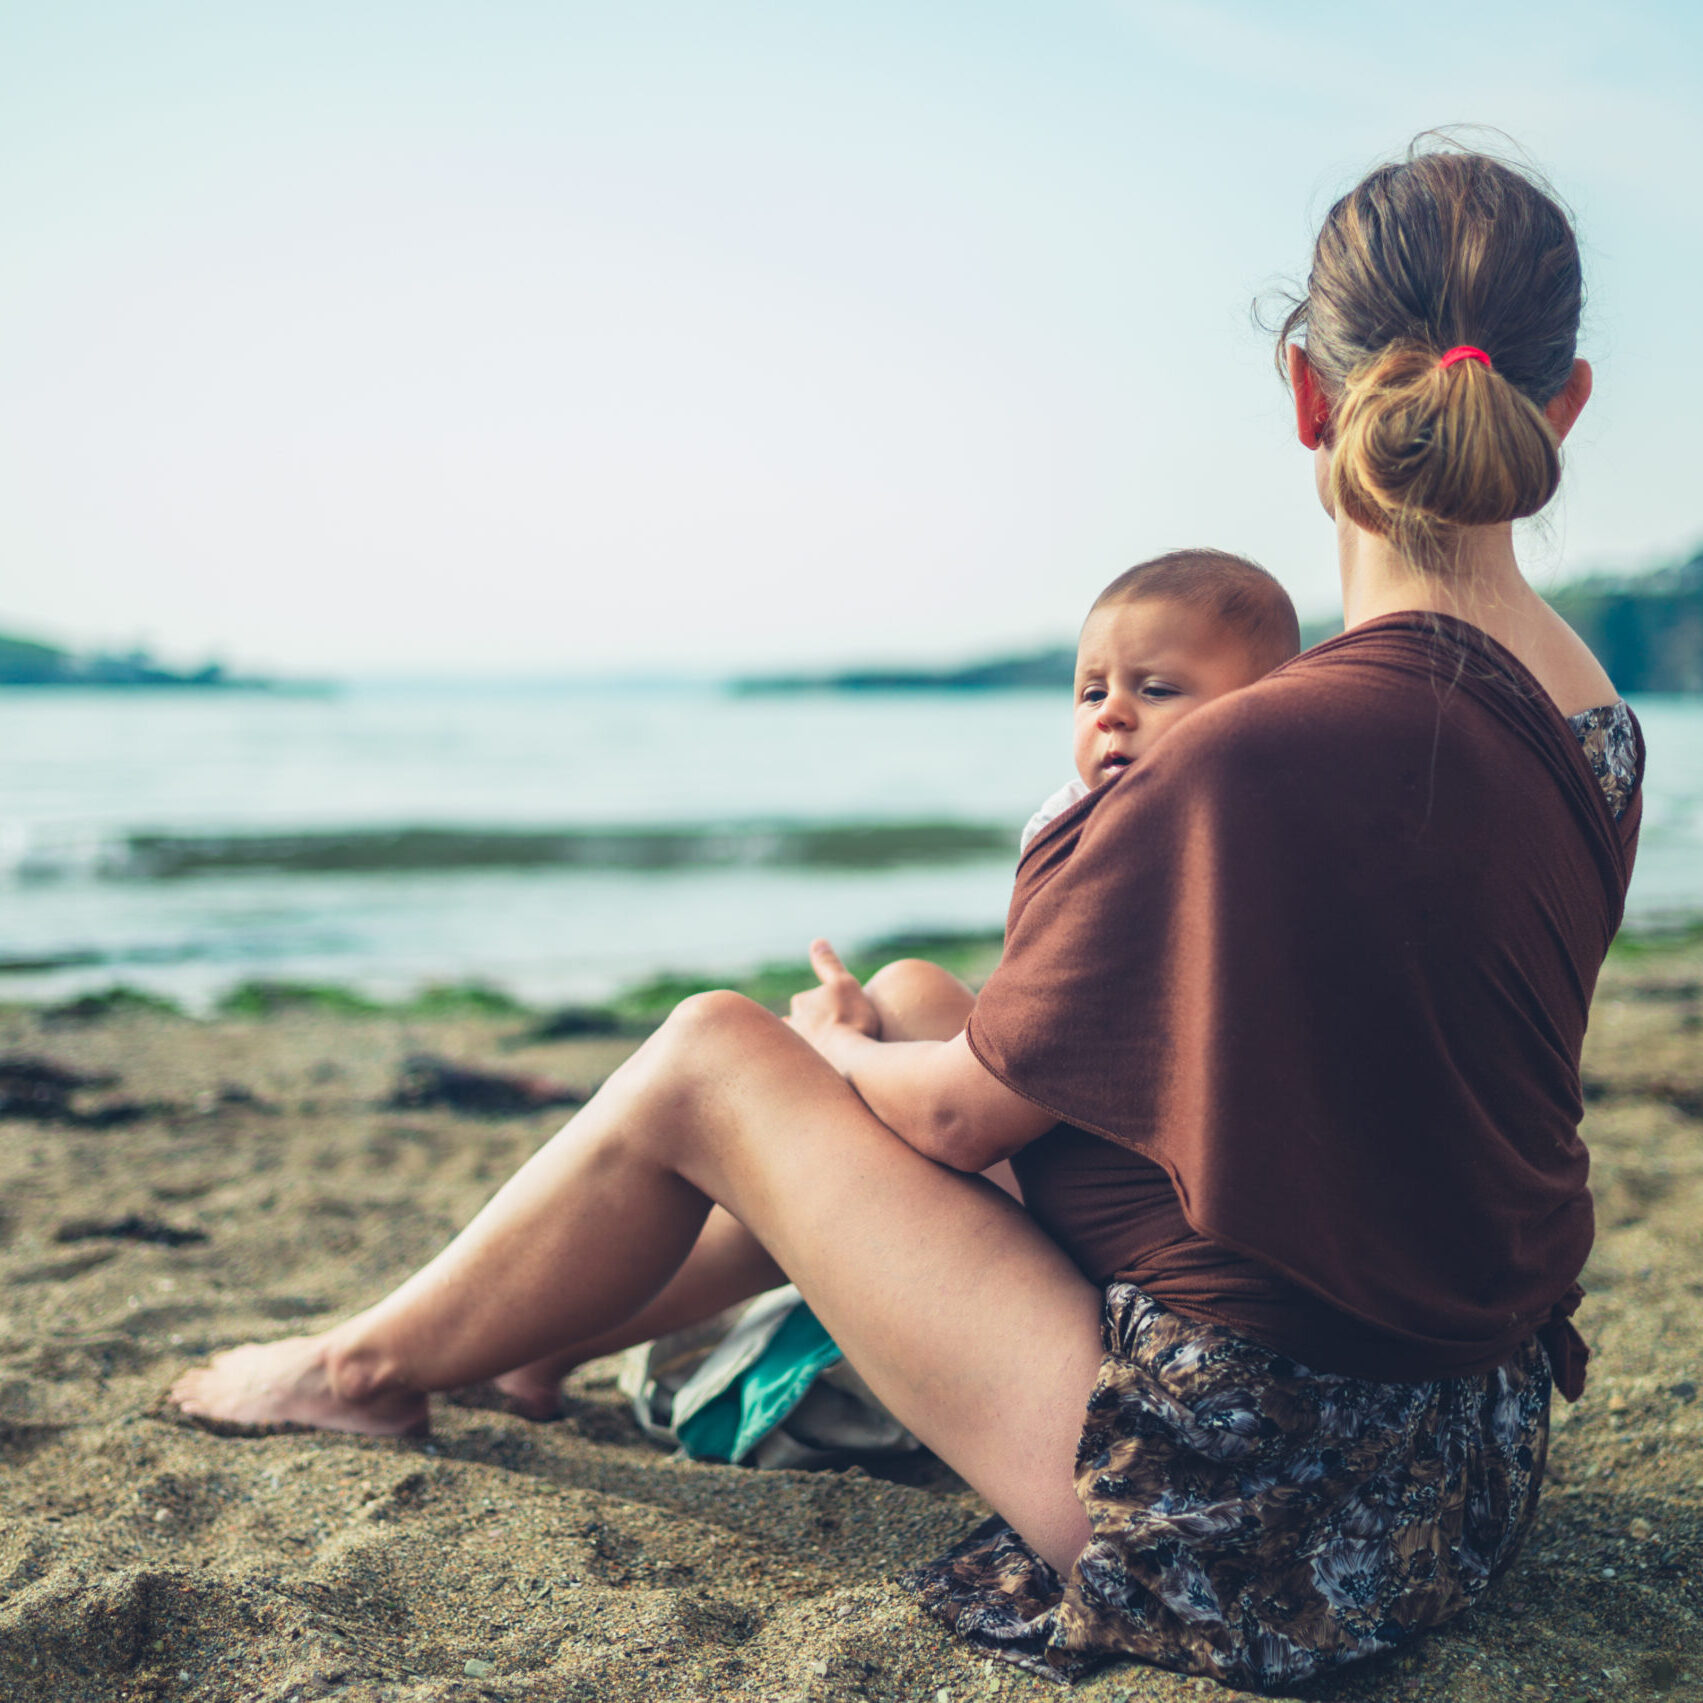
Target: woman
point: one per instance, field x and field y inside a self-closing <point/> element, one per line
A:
<point x="1284" y="1045"/>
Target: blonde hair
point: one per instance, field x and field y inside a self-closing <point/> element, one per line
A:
<point x="1443" y="248"/>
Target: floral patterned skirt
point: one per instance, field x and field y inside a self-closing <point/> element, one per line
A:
<point x="1254" y="1521"/>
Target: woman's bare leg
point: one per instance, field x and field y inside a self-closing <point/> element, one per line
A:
<point x="727" y="1264"/>
<point x="970" y="1325"/>
<point x="916" y="1001"/>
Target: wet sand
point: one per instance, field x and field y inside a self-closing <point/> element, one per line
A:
<point x="257" y="1185"/>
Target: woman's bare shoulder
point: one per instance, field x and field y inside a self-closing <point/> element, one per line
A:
<point x="1564" y="666"/>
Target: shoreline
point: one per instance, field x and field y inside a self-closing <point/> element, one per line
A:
<point x="247" y="1176"/>
<point x="634" y="1009"/>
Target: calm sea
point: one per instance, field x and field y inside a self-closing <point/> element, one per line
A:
<point x="560" y="842"/>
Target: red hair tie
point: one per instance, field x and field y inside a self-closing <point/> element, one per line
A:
<point x="1463" y="352"/>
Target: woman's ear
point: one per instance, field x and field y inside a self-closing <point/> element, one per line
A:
<point x="1312" y="411"/>
<point x="1561" y="411"/>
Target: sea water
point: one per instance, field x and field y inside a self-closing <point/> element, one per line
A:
<point x="558" y="841"/>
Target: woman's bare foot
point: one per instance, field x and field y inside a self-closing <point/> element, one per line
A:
<point x="289" y="1383"/>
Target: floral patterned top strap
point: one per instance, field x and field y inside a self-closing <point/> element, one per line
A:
<point x="1611" y="746"/>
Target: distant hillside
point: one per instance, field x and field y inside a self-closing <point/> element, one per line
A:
<point x="26" y="662"/>
<point x="1647" y="630"/>
<point x="1055" y="666"/>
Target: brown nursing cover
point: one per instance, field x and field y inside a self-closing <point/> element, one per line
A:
<point x="1327" y="956"/>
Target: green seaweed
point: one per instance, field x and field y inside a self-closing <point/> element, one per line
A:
<point x="769" y="984"/>
<point x="262" y="998"/>
<point x="1652" y="939"/>
<point x="970" y="956"/>
<point x="119" y="1000"/>
<point x="580" y="1023"/>
<point x="633" y="1011"/>
<point x="463" y="999"/>
<point x="737" y="845"/>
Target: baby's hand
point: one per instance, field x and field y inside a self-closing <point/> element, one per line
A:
<point x="839" y="1002"/>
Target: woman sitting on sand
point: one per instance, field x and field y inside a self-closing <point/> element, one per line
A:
<point x="1286" y="1034"/>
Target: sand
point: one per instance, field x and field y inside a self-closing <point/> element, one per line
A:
<point x="140" y="1558"/>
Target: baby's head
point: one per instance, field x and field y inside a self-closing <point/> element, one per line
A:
<point x="1166" y="637"/>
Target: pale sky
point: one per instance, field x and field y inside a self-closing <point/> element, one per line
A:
<point x="389" y="337"/>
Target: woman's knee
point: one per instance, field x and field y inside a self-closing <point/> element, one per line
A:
<point x="704" y="1017"/>
<point x="676" y="1075"/>
<point x="721" y="1068"/>
<point x="704" y="1031"/>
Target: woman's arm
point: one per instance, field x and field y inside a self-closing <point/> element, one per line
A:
<point x="935" y="1095"/>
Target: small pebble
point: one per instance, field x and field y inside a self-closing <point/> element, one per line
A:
<point x="162" y="1516"/>
<point x="1608" y="1572"/>
<point x="820" y="1669"/>
<point x="844" y="1611"/>
<point x="943" y="1695"/>
<point x="476" y="1669"/>
<point x="1640" y="1528"/>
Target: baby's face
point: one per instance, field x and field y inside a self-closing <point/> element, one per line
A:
<point x="1140" y="668"/>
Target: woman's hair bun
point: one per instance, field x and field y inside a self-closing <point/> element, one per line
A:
<point x="1445" y="247"/>
<point x="1421" y="449"/>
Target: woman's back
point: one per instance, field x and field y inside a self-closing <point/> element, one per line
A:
<point x="1327" y="957"/>
<point x="1118" y="1214"/>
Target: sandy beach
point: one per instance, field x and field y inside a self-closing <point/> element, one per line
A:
<point x="229" y="1180"/>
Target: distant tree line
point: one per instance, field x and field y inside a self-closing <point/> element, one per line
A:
<point x="1647" y="630"/>
<point x="1051" y="667"/>
<point x="25" y="662"/>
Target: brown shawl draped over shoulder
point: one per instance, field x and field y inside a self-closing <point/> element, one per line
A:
<point x="1327" y="956"/>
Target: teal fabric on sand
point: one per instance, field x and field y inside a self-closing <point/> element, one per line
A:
<point x="731" y="1426"/>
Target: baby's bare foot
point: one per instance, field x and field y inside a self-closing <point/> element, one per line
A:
<point x="288" y="1383"/>
<point x="531" y="1393"/>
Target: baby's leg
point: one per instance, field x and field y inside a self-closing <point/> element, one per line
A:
<point x="918" y="1001"/>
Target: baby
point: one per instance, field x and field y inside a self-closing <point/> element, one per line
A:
<point x="1162" y="639"/>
